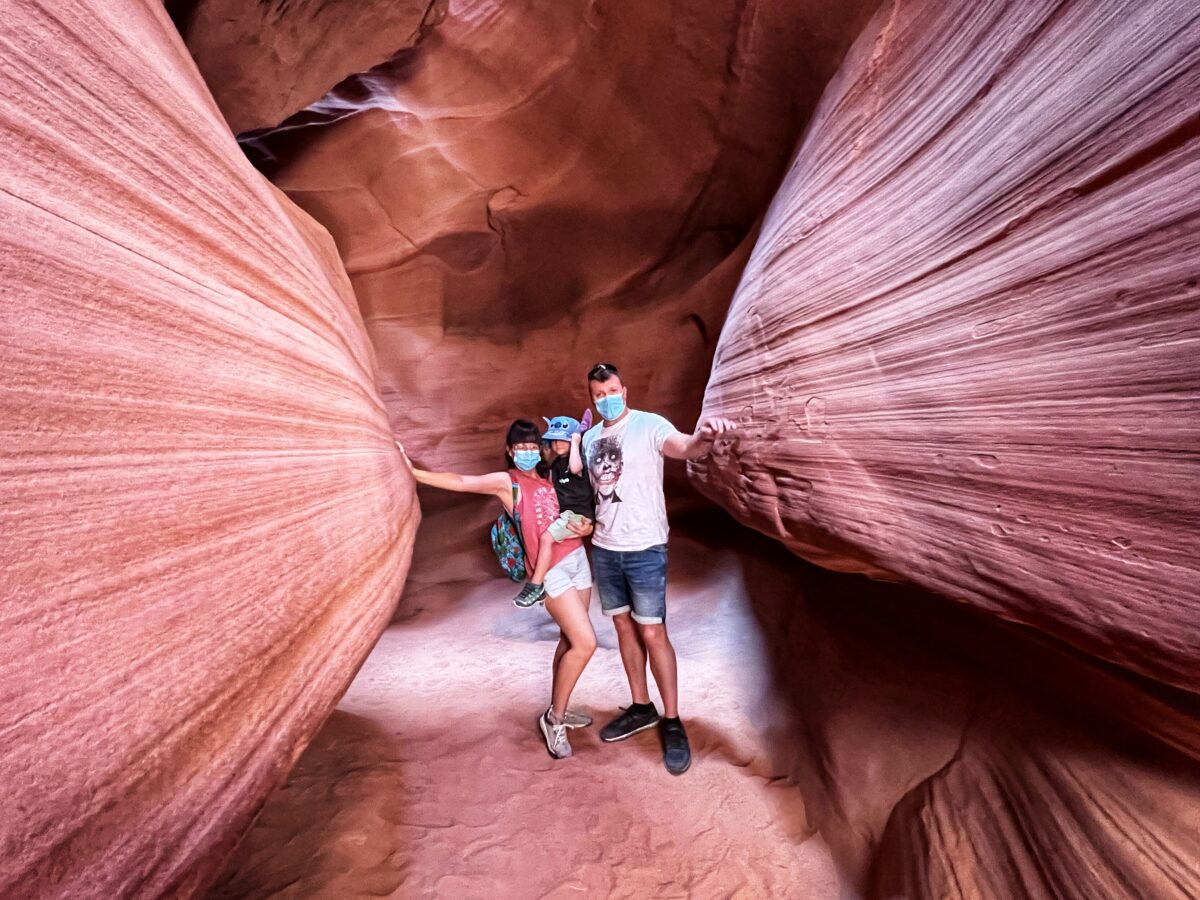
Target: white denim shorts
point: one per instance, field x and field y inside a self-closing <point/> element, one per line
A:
<point x="572" y="571"/>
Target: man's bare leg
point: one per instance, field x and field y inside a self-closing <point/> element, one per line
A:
<point x="662" y="664"/>
<point x="633" y="657"/>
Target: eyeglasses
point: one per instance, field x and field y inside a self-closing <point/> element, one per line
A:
<point x="601" y="369"/>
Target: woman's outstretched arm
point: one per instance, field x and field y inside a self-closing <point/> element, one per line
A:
<point x="494" y="483"/>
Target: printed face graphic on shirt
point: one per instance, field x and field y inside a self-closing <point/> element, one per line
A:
<point x="605" y="464"/>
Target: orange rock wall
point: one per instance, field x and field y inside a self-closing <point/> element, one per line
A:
<point x="265" y="61"/>
<point x="539" y="185"/>
<point x="943" y="753"/>
<point x="204" y="523"/>
<point x="963" y="352"/>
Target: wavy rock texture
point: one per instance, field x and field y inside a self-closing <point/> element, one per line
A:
<point x="205" y="526"/>
<point x="265" y="61"/>
<point x="944" y="754"/>
<point x="963" y="352"/>
<point x="1026" y="808"/>
<point x="536" y="186"/>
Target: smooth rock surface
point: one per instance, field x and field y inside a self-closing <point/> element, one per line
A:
<point x="204" y="525"/>
<point x="944" y="754"/>
<point x="265" y="61"/>
<point x="432" y="780"/>
<point x="540" y="185"/>
<point x="963" y="352"/>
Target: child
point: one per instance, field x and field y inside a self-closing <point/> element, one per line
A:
<point x="576" y="504"/>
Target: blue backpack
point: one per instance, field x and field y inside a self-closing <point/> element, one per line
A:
<point x="508" y="544"/>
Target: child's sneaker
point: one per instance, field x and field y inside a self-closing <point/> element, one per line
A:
<point x="530" y="594"/>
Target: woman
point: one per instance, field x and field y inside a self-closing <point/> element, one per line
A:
<point x="568" y="583"/>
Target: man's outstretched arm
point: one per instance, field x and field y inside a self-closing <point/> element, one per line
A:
<point x="699" y="442"/>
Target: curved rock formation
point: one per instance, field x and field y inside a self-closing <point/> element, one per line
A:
<point x="265" y="61"/>
<point x="963" y="350"/>
<point x="536" y="186"/>
<point x="205" y="525"/>
<point x="945" y="754"/>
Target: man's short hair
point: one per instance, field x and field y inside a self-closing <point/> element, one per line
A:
<point x="603" y="372"/>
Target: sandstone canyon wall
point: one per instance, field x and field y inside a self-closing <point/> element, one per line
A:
<point x="963" y="352"/>
<point x="537" y="185"/>
<point x="945" y="754"/>
<point x="542" y="184"/>
<point x="265" y="61"/>
<point x="204" y="523"/>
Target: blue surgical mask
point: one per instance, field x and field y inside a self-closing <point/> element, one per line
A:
<point x="611" y="406"/>
<point x="526" y="460"/>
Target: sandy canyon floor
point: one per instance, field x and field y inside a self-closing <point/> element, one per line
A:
<point x="431" y="779"/>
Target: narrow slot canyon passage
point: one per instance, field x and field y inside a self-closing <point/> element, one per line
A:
<point x="432" y="780"/>
<point x="821" y="706"/>
<point x="917" y="280"/>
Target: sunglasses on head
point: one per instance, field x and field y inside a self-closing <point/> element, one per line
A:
<point x="602" y="369"/>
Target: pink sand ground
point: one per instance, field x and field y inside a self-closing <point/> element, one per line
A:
<point x="431" y="779"/>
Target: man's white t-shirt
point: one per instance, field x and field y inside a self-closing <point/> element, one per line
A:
<point x="625" y="462"/>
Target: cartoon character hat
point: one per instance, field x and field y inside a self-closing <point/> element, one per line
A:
<point x="560" y="428"/>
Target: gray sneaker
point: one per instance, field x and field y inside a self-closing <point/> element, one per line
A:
<point x="530" y="594"/>
<point x="576" y="719"/>
<point x="556" y="737"/>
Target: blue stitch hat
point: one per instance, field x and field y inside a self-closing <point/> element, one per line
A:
<point x="560" y="428"/>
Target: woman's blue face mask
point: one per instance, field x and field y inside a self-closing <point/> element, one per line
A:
<point x="611" y="406"/>
<point x="526" y="460"/>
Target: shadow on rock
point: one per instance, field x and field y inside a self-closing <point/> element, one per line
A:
<point x="335" y="818"/>
<point x="941" y="753"/>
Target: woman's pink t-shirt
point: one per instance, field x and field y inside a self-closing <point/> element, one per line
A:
<point x="538" y="508"/>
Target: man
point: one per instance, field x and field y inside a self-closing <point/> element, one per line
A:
<point x="624" y="454"/>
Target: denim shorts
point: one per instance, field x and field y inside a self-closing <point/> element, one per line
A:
<point x="632" y="581"/>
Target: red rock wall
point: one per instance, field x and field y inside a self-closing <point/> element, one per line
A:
<point x="264" y="61"/>
<point x="539" y="185"/>
<point x="945" y="754"/>
<point x="963" y="352"/>
<point x="204" y="523"/>
<point x="536" y="186"/>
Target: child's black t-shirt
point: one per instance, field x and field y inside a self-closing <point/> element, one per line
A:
<point x="574" y="491"/>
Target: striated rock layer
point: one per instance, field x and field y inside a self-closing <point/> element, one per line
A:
<point x="264" y="61"/>
<point x="204" y="523"/>
<point x="963" y="352"/>
<point x="944" y="754"/>
<point x="536" y="186"/>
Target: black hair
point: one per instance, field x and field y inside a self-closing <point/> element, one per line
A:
<point x="522" y="431"/>
<point x="603" y="372"/>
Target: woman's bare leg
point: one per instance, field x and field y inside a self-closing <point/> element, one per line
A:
<point x="569" y="610"/>
<point x="563" y="646"/>
<point x="585" y="597"/>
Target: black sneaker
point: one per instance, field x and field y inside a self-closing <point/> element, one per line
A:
<point x="629" y="723"/>
<point x="530" y="594"/>
<point x="677" y="754"/>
